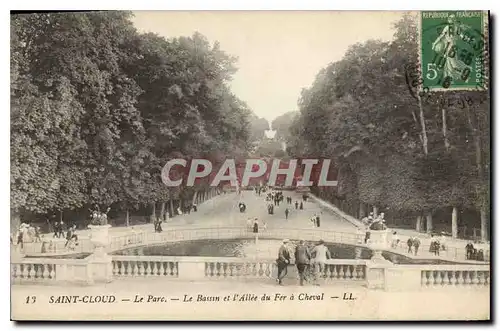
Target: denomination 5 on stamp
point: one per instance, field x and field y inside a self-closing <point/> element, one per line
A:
<point x="453" y="49"/>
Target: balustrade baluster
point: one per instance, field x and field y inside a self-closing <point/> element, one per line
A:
<point x="122" y="268"/>
<point x="38" y="274"/>
<point x="267" y="269"/>
<point x="212" y="267"/>
<point x="467" y="277"/>
<point x="155" y="269"/>
<point x="343" y="272"/>
<point x="474" y="277"/>
<point x="350" y="270"/>
<point x="162" y="269"/>
<point x="114" y="267"/>
<point x="486" y="278"/>
<point x="438" y="279"/>
<point x="52" y="272"/>
<point x="148" y="269"/>
<point x="45" y="273"/>
<point x="141" y="268"/>
<point x="335" y="273"/>
<point x="260" y="271"/>
<point x="175" y="270"/>
<point x="25" y="271"/>
<point x="460" y="278"/>
<point x="135" y="269"/>
<point x="480" y="278"/>
<point x="254" y="269"/>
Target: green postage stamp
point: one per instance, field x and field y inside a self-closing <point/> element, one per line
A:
<point x="453" y="49"/>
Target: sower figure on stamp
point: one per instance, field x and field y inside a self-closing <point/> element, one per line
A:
<point x="283" y="261"/>
<point x="302" y="260"/>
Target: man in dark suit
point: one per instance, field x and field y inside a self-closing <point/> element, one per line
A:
<point x="283" y="261"/>
<point x="302" y="260"/>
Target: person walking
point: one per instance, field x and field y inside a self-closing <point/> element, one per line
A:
<point x="320" y="255"/>
<point x="286" y="213"/>
<point x="283" y="261"/>
<point x="301" y="207"/>
<point x="302" y="260"/>
<point x="318" y="221"/>
<point x="410" y="244"/>
<point x="416" y="244"/>
<point x="296" y="205"/>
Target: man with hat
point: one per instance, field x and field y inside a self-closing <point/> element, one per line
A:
<point x="283" y="261"/>
<point x="302" y="259"/>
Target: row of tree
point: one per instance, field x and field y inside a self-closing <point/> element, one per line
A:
<point x="97" y="109"/>
<point x="417" y="155"/>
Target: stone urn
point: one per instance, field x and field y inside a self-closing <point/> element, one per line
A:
<point x="378" y="243"/>
<point x="99" y="236"/>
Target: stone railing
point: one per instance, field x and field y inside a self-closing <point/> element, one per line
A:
<point x="42" y="270"/>
<point x="173" y="235"/>
<point x="413" y="277"/>
<point x="216" y="268"/>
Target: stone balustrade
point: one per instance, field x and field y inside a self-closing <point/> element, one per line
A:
<point x="388" y="277"/>
<point x="207" y="268"/>
<point x="41" y="270"/>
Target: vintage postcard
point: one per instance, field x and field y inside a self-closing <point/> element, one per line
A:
<point x="250" y="165"/>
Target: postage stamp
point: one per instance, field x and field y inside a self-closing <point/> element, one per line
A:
<point x="452" y="49"/>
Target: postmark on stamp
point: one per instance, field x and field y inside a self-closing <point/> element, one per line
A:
<point x="452" y="49"/>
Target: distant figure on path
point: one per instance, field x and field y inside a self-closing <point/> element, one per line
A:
<point x="286" y="213"/>
<point x="301" y="207"/>
<point x="416" y="244"/>
<point x="410" y="244"/>
<point x="318" y="221"/>
<point x="283" y="261"/>
<point x="296" y="205"/>
<point x="256" y="225"/>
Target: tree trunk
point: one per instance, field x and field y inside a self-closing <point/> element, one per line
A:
<point x="445" y="130"/>
<point x="428" y="228"/>
<point x="162" y="211"/>
<point x="127" y="218"/>
<point x="171" y="205"/>
<point x="375" y="211"/>
<point x="422" y="125"/>
<point x="15" y="222"/>
<point x="153" y="211"/>
<point x="361" y="210"/>
<point x="454" y="223"/>
<point x="480" y="172"/>
<point x="418" y="224"/>
<point x="484" y="224"/>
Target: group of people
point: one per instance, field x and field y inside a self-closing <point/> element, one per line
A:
<point x="310" y="261"/>
<point x="99" y="218"/>
<point x="472" y="253"/>
<point x="26" y="233"/>
<point x="413" y="244"/>
<point x="316" y="220"/>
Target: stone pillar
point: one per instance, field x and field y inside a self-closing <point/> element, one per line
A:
<point x="191" y="270"/>
<point x="100" y="263"/>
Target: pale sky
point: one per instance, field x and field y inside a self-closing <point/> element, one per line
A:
<point x="279" y="52"/>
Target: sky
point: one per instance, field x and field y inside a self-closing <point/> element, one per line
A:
<point x="279" y="53"/>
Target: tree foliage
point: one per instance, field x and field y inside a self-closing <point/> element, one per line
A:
<point x="98" y="108"/>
